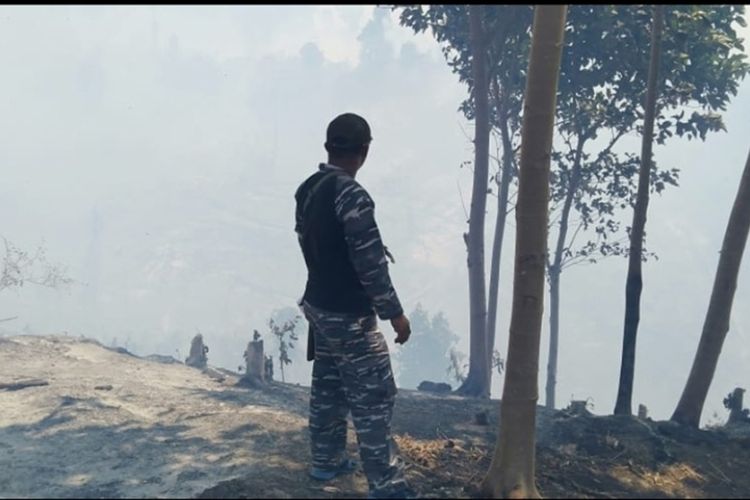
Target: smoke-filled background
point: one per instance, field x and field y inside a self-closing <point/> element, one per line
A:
<point x="155" y="151"/>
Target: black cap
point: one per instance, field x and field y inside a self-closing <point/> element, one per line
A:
<point x="347" y="132"/>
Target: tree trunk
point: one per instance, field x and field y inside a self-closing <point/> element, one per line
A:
<point x="255" y="364"/>
<point x="197" y="357"/>
<point x="554" y="332"/>
<point x="634" y="283"/>
<point x="511" y="473"/>
<point x="477" y="380"/>
<point x="716" y="325"/>
<point x="497" y="244"/>
<point x="733" y="403"/>
<point x="555" y="270"/>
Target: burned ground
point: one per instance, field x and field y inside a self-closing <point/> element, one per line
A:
<point x="110" y="424"/>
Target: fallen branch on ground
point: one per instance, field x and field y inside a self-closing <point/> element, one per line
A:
<point x="22" y="384"/>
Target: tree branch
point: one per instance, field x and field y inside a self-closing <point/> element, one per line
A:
<point x="575" y="233"/>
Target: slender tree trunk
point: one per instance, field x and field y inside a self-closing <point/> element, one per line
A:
<point x="477" y="381"/>
<point x="497" y="245"/>
<point x="554" y="329"/>
<point x="511" y="473"/>
<point x="634" y="284"/>
<point x="555" y="270"/>
<point x="716" y="325"/>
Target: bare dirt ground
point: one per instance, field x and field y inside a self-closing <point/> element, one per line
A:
<point x="109" y="424"/>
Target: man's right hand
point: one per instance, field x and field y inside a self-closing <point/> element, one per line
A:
<point x="402" y="327"/>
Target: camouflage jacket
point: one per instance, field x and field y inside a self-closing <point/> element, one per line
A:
<point x="355" y="210"/>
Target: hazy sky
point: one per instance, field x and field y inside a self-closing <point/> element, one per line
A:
<point x="156" y="151"/>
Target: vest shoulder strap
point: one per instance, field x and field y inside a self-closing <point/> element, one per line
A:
<point x="314" y="189"/>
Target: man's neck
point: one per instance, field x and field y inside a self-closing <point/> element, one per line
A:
<point x="346" y="167"/>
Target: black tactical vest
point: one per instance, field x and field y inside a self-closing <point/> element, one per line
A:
<point x="332" y="282"/>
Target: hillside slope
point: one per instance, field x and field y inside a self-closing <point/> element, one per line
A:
<point x="109" y="424"/>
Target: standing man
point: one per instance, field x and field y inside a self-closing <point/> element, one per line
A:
<point x="347" y="285"/>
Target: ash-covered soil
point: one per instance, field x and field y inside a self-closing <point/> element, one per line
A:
<point x="97" y="422"/>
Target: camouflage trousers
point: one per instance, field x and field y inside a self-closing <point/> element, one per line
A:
<point x="352" y="372"/>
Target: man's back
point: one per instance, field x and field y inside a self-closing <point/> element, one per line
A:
<point x="333" y="284"/>
<point x="342" y="247"/>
